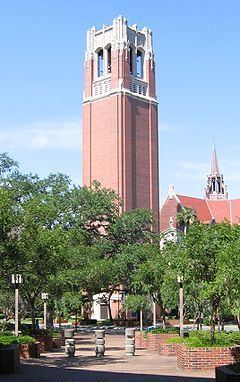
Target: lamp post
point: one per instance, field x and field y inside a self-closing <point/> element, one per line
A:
<point x="16" y="280"/>
<point x="44" y="298"/>
<point x="180" y="282"/>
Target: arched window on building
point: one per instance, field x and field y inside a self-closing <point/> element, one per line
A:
<point x="131" y="60"/>
<point x="109" y="59"/>
<point x="139" y="64"/>
<point x="100" y="62"/>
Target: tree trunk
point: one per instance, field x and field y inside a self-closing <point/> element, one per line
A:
<point x="50" y="317"/>
<point x="200" y="320"/>
<point x="238" y="320"/>
<point x="212" y="329"/>
<point x="59" y="321"/>
<point x="33" y="314"/>
<point x="196" y="322"/>
<point x="185" y="229"/>
<point x="163" y="319"/>
<point x="76" y="321"/>
<point x="215" y="306"/>
<point x="109" y="306"/>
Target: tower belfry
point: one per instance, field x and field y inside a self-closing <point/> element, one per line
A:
<point x="120" y="128"/>
<point x="216" y="189"/>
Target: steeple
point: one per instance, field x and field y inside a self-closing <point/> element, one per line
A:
<point x="216" y="189"/>
<point x="214" y="164"/>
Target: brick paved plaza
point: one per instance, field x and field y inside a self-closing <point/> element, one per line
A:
<point x="114" y="366"/>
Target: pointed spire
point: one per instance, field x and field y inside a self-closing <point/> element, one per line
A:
<point x="216" y="189"/>
<point x="214" y="163"/>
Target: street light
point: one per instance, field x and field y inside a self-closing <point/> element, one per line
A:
<point x="16" y="280"/>
<point x="180" y="282"/>
<point x="44" y="298"/>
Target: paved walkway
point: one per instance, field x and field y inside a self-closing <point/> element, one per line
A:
<point x="114" y="366"/>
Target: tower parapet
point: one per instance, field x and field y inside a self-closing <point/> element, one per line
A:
<point x="119" y="58"/>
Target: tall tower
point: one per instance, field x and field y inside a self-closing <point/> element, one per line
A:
<point x="120" y="128"/>
<point x="216" y="189"/>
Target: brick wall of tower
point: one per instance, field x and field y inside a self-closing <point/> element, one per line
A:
<point x="101" y="143"/>
<point x="141" y="154"/>
<point x="120" y="149"/>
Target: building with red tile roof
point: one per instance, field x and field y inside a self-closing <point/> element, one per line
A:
<point x="215" y="207"/>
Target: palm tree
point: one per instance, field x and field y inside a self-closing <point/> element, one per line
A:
<point x="186" y="217"/>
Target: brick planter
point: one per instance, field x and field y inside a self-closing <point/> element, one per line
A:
<point x="167" y="349"/>
<point x="155" y="342"/>
<point x="46" y="342"/>
<point x="57" y="343"/>
<point x="206" y="358"/>
<point x="9" y="360"/>
<point x="30" y="350"/>
<point x="223" y="374"/>
<point x="140" y="340"/>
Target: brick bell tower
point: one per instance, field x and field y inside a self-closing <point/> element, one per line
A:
<point x="120" y="113"/>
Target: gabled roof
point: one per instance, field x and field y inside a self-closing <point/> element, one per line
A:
<point x="225" y="209"/>
<point x="198" y="205"/>
<point x="218" y="210"/>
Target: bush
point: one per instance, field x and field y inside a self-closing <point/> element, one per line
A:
<point x="55" y="333"/>
<point x="36" y="332"/>
<point x="25" y="340"/>
<point x="164" y="331"/>
<point x="8" y="340"/>
<point x="201" y="338"/>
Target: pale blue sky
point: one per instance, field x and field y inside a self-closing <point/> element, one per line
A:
<point x="197" y="50"/>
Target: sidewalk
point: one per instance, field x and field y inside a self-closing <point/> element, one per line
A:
<point x="114" y="366"/>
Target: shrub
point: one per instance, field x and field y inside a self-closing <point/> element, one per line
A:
<point x="55" y="333"/>
<point x="201" y="338"/>
<point x="25" y="340"/>
<point x="8" y="340"/>
<point x="37" y="332"/>
<point x="164" y="331"/>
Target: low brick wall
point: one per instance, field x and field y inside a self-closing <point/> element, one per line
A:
<point x="46" y="342"/>
<point x="167" y="349"/>
<point x="206" y="358"/>
<point x="155" y="342"/>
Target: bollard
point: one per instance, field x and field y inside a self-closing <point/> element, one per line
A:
<point x="130" y="342"/>
<point x="70" y="347"/>
<point x="100" y="343"/>
<point x="68" y="333"/>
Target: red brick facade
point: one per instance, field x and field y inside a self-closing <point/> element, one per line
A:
<point x="156" y="343"/>
<point x="120" y="114"/>
<point x="206" y="358"/>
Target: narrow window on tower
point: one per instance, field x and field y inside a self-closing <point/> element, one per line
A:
<point x="109" y="60"/>
<point x="139" y="64"/>
<point x="100" y="63"/>
<point x="131" y="60"/>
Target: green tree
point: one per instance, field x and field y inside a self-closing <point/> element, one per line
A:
<point x="185" y="217"/>
<point x="201" y="263"/>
